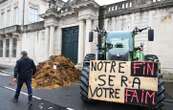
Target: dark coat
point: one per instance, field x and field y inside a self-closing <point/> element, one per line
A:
<point x="24" y="69"/>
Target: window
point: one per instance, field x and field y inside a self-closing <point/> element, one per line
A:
<point x="130" y="4"/>
<point x="33" y="14"/>
<point x="1" y="48"/>
<point x="7" y="48"/>
<point x="8" y="18"/>
<point x="14" y="46"/>
<point x="2" y="20"/>
<point x="16" y="16"/>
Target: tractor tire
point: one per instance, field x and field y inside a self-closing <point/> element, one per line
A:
<point x="161" y="88"/>
<point x="160" y="95"/>
<point x="84" y="79"/>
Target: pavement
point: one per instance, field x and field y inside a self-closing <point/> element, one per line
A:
<point x="169" y="92"/>
<point x="38" y="104"/>
<point x="67" y="98"/>
<point x="6" y="98"/>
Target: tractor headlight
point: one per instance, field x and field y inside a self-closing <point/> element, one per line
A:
<point x="118" y="55"/>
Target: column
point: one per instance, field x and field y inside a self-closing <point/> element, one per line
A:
<point x="59" y="40"/>
<point x="81" y="42"/>
<point x="11" y="18"/>
<point x="88" y="29"/>
<point x="13" y="14"/>
<point x="46" y="43"/>
<point x="113" y="23"/>
<point x="106" y="24"/>
<point x="51" y="41"/>
<point x="19" y="45"/>
<point x="4" y="47"/>
<point x="0" y="21"/>
<point x="35" y="49"/>
<point x="132" y="21"/>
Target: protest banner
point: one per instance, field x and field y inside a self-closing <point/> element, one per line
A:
<point x="123" y="82"/>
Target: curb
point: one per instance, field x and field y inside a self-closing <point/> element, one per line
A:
<point x="168" y="81"/>
<point x="168" y="100"/>
<point x="4" y="74"/>
<point x="4" y="71"/>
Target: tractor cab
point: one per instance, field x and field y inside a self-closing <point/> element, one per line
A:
<point x="119" y="45"/>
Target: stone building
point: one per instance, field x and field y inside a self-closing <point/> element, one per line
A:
<point x="14" y="14"/>
<point x="66" y="28"/>
<point x="157" y="14"/>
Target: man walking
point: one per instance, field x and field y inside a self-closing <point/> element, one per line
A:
<point x="23" y="72"/>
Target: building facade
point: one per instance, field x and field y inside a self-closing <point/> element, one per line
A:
<point x="14" y="15"/>
<point x="157" y="14"/>
<point x="66" y="26"/>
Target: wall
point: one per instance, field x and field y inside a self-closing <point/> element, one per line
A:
<point x="30" y="38"/>
<point x="40" y="5"/>
<point x="34" y="44"/>
<point x="13" y="11"/>
<point x="160" y="19"/>
<point x="8" y="8"/>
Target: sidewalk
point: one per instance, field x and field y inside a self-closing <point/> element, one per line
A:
<point x="6" y="69"/>
<point x="169" y="91"/>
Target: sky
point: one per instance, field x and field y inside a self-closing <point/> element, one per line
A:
<point x="104" y="2"/>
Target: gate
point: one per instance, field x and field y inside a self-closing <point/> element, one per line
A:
<point x="70" y="43"/>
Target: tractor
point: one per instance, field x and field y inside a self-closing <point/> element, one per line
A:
<point x="121" y="73"/>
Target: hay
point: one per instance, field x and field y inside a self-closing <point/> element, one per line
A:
<point x="56" y="72"/>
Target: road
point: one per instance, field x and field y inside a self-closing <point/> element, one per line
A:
<point x="6" y="102"/>
<point x="68" y="97"/>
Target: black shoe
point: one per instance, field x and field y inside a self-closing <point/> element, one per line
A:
<point x="15" y="100"/>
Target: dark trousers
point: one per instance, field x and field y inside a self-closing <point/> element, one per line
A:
<point x="20" y="83"/>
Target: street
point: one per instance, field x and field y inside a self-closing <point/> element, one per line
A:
<point x="115" y="53"/>
<point x="7" y="104"/>
<point x="58" y="99"/>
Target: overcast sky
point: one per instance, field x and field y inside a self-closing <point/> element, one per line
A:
<point x="104" y="2"/>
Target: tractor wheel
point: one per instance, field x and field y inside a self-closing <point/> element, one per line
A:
<point x="85" y="77"/>
<point x="161" y="88"/>
<point x="160" y="95"/>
